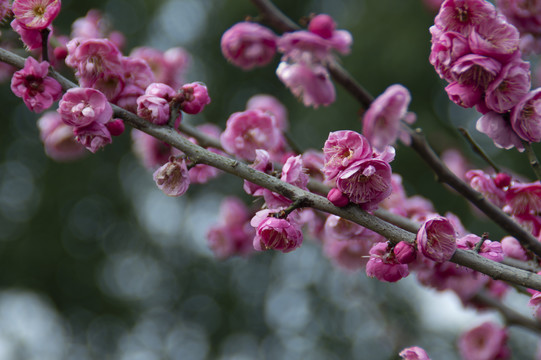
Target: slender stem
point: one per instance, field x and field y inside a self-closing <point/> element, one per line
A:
<point x="532" y="158"/>
<point x="44" y="44"/>
<point x="511" y="316"/>
<point x="479" y="245"/>
<point x="478" y="150"/>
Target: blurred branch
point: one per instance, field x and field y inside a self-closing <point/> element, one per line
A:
<point x="532" y="159"/>
<point x="478" y="150"/>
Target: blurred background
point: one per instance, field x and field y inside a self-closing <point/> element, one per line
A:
<point x="97" y="263"/>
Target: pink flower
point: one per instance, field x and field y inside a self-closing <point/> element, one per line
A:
<point x="463" y="15"/>
<point x="58" y="138"/>
<point x="261" y="163"/>
<point x="341" y="149"/>
<point x="154" y="109"/>
<point x="366" y="182"/>
<point x="499" y="129"/>
<point x="93" y="136"/>
<point x="271" y="105"/>
<point x="248" y="45"/>
<point x="292" y="173"/>
<point x="309" y="82"/>
<point x="83" y="106"/>
<point x="526" y="116"/>
<point x="414" y="353"/>
<point x="196" y="98"/>
<point x="172" y="178"/>
<point x="447" y="47"/>
<point x="32" y="84"/>
<point x="278" y="234"/>
<point x="233" y="234"/>
<point x="94" y="59"/>
<point x="381" y="122"/>
<point x="495" y="38"/>
<point x="484" y="183"/>
<point x="31" y="38"/>
<point x="491" y="250"/>
<point x="404" y="252"/>
<point x="436" y="239"/>
<point x="383" y="264"/>
<point x="484" y="342"/>
<point x="36" y="14"/>
<point x="250" y="130"/>
<point x="510" y="87"/>
<point x="512" y="248"/>
<point x="523" y="198"/>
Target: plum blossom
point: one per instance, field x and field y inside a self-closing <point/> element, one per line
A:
<point x="526" y="117"/>
<point x="172" y="177"/>
<point x="484" y="342"/>
<point x="495" y="38"/>
<point x="509" y="87"/>
<point x="36" y="14"/>
<point x="512" y="248"/>
<point x="343" y="148"/>
<point x="274" y="233"/>
<point x="196" y="97"/>
<point x="366" y="182"/>
<point x="83" y="106"/>
<point x="523" y="198"/>
<point x="414" y="353"/>
<point x="31" y="38"/>
<point x="485" y="184"/>
<point x="34" y="86"/>
<point x="93" y="136"/>
<point x="250" y="130"/>
<point x="447" y="48"/>
<point x="381" y="122"/>
<point x="58" y="138"/>
<point x="499" y="129"/>
<point x="383" y="264"/>
<point x="248" y="45"/>
<point x="436" y="239"/>
<point x="463" y="15"/>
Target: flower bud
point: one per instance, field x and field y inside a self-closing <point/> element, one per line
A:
<point x="436" y="239"/>
<point x="404" y="252"/>
<point x="172" y="178"/>
<point x="196" y="98"/>
<point x="337" y="198"/>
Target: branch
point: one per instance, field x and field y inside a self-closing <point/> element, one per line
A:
<point x="511" y="316"/>
<point x="419" y="144"/>
<point x="532" y="159"/>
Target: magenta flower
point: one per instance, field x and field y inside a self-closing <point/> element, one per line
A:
<point x="463" y="15"/>
<point x="32" y="84"/>
<point x="94" y="59"/>
<point x="93" y="136"/>
<point x="343" y="148"/>
<point x="383" y="264"/>
<point x="293" y="173"/>
<point x="510" y="87"/>
<point x="414" y="353"/>
<point x="58" y="138"/>
<point x="436" y="239"/>
<point x="36" y="14"/>
<point x="381" y="122"/>
<point x="495" y="38"/>
<point x="83" y="106"/>
<point x="491" y="250"/>
<point x="484" y="183"/>
<point x="484" y="342"/>
<point x="366" y="182"/>
<point x="523" y="198"/>
<point x="250" y="130"/>
<point x="31" y="38"/>
<point x="271" y="105"/>
<point x="526" y="117"/>
<point x="196" y="98"/>
<point x="233" y="234"/>
<point x="499" y="129"/>
<point x="311" y="83"/>
<point x="278" y="234"/>
<point x="172" y="177"/>
<point x="447" y="47"/>
<point x="248" y="45"/>
<point x="512" y="248"/>
<point x="155" y="109"/>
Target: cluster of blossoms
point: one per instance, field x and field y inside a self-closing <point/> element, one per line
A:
<point x="477" y="51"/>
<point x="304" y="55"/>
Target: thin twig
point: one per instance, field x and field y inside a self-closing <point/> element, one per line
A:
<point x="532" y="159"/>
<point x="478" y="150"/>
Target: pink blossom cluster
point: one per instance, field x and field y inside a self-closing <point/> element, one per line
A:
<point x="305" y="54"/>
<point x="360" y="173"/>
<point x="477" y="51"/>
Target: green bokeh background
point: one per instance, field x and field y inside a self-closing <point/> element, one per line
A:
<point x="125" y="270"/>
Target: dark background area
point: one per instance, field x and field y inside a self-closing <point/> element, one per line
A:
<point x="96" y="263"/>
